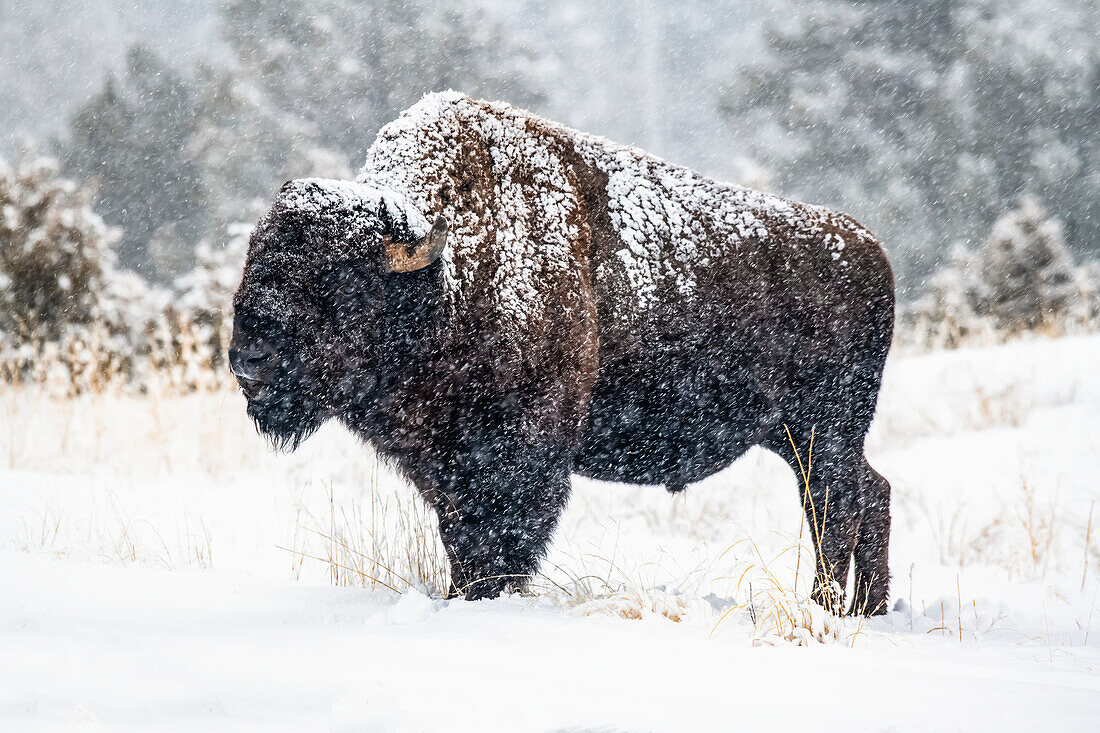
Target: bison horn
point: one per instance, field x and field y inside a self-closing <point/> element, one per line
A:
<point x="418" y="254"/>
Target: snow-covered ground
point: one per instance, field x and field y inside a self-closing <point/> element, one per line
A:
<point x="161" y="570"/>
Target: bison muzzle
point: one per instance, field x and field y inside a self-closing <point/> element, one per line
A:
<point x="498" y="302"/>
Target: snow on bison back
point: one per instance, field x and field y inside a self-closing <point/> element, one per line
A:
<point x="498" y="301"/>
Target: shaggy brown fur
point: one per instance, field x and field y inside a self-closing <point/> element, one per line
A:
<point x="595" y="310"/>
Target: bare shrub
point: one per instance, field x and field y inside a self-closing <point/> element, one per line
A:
<point x="55" y="252"/>
<point x="71" y="320"/>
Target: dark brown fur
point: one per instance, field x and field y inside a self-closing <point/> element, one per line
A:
<point x="776" y="336"/>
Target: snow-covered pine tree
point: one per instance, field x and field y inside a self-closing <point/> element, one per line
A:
<point x="945" y="315"/>
<point x="927" y="120"/>
<point x="246" y="149"/>
<point x="1022" y="278"/>
<point x="1026" y="272"/>
<point x="68" y="316"/>
<point x="180" y="153"/>
<point x="340" y="69"/>
<point x="1088" y="311"/>
<point x="133" y="140"/>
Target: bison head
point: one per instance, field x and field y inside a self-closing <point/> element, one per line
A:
<point x="310" y="312"/>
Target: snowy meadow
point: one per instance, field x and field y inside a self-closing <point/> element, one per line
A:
<point x="172" y="573"/>
<point x="163" y="569"/>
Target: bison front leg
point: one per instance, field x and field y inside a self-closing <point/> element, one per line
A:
<point x="496" y="522"/>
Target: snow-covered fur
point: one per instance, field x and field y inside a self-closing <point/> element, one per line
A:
<point x="508" y="183"/>
<point x="595" y="310"/>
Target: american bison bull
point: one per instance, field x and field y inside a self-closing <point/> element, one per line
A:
<point x="498" y="301"/>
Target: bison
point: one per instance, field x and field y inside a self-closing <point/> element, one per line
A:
<point x="498" y="302"/>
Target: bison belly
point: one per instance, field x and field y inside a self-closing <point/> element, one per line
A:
<point x="672" y="419"/>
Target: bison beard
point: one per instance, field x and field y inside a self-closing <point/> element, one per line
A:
<point x="499" y="302"/>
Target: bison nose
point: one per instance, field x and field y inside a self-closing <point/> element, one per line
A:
<point x="252" y="363"/>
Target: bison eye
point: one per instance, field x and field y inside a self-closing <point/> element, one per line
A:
<point x="347" y="290"/>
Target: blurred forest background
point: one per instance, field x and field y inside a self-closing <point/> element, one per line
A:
<point x="140" y="141"/>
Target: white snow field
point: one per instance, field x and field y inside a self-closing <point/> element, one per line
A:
<point x="161" y="570"/>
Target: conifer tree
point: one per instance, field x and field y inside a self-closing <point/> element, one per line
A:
<point x="133" y="141"/>
<point x="926" y="120"/>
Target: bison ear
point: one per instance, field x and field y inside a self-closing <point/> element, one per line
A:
<point x="402" y="257"/>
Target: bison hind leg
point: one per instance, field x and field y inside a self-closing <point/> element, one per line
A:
<point x="829" y="492"/>
<point x="847" y="504"/>
<point x="872" y="580"/>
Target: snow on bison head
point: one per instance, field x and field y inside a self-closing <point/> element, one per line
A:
<point x="308" y="328"/>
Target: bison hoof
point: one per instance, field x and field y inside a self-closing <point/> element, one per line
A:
<point x="675" y="487"/>
<point x="492" y="587"/>
<point x="829" y="596"/>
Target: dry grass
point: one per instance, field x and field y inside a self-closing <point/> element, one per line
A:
<point x="391" y="542"/>
<point x="1021" y="535"/>
<point x="107" y="532"/>
<point x="776" y="609"/>
<point x="917" y="333"/>
<point x="1038" y="519"/>
<point x="1002" y="406"/>
<point x="147" y="436"/>
<point x="171" y="354"/>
